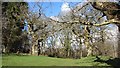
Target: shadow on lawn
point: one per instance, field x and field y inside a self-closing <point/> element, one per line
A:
<point x="113" y="62"/>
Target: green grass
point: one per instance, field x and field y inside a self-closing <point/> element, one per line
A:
<point x="14" y="60"/>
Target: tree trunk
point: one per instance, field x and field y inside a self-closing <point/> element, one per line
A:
<point x="118" y="48"/>
<point x="35" y="50"/>
<point x="87" y="43"/>
<point x="89" y="49"/>
<point x="7" y="49"/>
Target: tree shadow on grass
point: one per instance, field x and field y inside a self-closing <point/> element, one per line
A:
<point x="113" y="62"/>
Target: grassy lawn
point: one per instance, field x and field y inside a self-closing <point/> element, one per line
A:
<point x="14" y="60"/>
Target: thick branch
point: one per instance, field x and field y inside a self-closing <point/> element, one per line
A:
<point x="112" y="21"/>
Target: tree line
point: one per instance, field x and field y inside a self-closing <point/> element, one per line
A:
<point x="83" y="34"/>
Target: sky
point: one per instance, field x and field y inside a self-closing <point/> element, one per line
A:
<point x="49" y="8"/>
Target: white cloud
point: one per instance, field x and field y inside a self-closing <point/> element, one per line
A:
<point x="65" y="14"/>
<point x="65" y="7"/>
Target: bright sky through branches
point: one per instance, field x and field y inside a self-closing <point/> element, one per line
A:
<point x="49" y="8"/>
